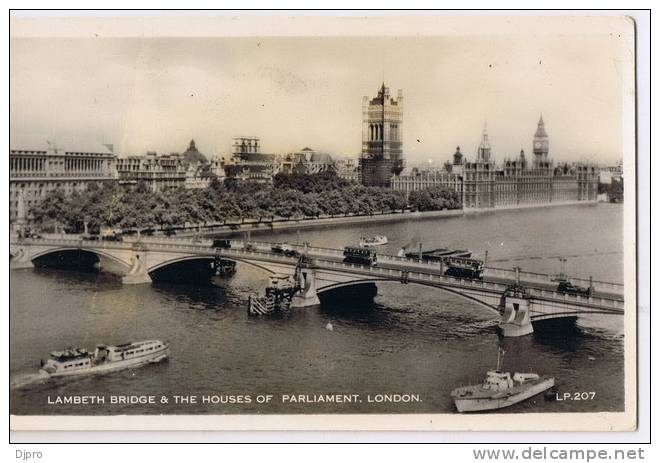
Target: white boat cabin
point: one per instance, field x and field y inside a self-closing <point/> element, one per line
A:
<point x="497" y="381"/>
<point x="126" y="351"/>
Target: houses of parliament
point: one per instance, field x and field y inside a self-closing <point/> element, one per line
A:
<point x="481" y="183"/>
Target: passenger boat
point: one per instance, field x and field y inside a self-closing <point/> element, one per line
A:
<point x="500" y="390"/>
<point x="104" y="359"/>
<point x="378" y="240"/>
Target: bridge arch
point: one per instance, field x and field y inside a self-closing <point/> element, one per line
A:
<point x="210" y="258"/>
<point x="98" y="252"/>
<point x="336" y="286"/>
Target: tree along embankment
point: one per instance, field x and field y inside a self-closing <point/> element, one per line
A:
<point x="229" y="203"/>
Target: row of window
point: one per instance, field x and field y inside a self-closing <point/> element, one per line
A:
<point x="146" y="349"/>
<point x="376" y="132"/>
<point x="79" y="364"/>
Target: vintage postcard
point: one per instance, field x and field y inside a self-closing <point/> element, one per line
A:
<point x="322" y="221"/>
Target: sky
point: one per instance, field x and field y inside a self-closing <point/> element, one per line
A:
<point x="156" y="93"/>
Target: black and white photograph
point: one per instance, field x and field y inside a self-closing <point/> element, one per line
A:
<point x="297" y="221"/>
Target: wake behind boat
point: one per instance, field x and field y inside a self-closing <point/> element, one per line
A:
<point x="104" y="359"/>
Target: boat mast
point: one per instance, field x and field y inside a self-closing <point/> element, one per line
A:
<point x="500" y="357"/>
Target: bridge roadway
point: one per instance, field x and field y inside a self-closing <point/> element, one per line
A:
<point x="328" y="272"/>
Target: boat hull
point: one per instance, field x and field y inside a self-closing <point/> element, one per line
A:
<point x="502" y="399"/>
<point x="109" y="367"/>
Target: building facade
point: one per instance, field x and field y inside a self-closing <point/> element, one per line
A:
<point x="424" y="179"/>
<point x="348" y="169"/>
<point x="159" y="173"/>
<point x="382" y="138"/>
<point x="248" y="163"/>
<point x="611" y="174"/>
<point x="35" y="173"/>
<point x="200" y="175"/>
<point x="306" y="161"/>
<point x="482" y="184"/>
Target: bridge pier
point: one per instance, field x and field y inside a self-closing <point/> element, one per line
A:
<point x="515" y="319"/>
<point x="21" y="259"/>
<point x="306" y="296"/>
<point x="138" y="273"/>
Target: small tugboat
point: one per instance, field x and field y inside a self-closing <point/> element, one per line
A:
<point x="104" y="359"/>
<point x="500" y="390"/>
<point x="378" y="240"/>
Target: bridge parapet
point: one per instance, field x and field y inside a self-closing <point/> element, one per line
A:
<point x="549" y="279"/>
<point x="73" y="242"/>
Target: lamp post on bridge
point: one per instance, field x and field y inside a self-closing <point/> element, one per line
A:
<point x="562" y="267"/>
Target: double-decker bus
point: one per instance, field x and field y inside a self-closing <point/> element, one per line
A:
<point x="462" y="267"/>
<point x="362" y="256"/>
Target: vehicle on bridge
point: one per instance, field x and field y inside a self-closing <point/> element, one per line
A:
<point x="111" y="234"/>
<point x="284" y="249"/>
<point x="221" y="244"/>
<point x="464" y="268"/>
<point x="362" y="256"/>
<point x="566" y="287"/>
<point x="28" y="233"/>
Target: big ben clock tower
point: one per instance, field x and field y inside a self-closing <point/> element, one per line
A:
<point x="541" y="144"/>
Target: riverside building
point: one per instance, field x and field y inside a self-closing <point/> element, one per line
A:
<point x="190" y="170"/>
<point x="483" y="184"/>
<point x="33" y="173"/>
<point x="158" y="173"/>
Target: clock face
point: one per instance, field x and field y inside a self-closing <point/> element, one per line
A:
<point x="537" y="144"/>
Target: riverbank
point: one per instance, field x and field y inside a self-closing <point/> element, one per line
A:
<point x="528" y="206"/>
<point x="301" y="224"/>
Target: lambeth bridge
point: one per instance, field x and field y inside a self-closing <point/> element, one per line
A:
<point x="520" y="298"/>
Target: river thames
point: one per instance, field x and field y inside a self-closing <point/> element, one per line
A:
<point x="413" y="341"/>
